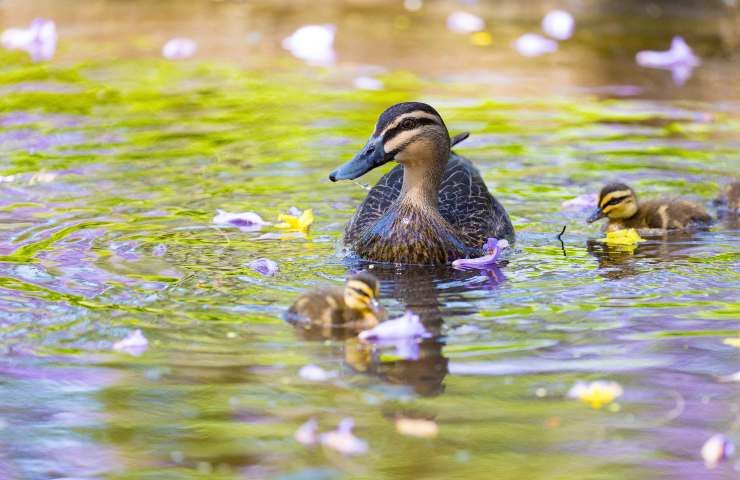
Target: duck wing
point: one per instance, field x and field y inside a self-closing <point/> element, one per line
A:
<point x="464" y="201"/>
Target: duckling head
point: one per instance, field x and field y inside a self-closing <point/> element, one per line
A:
<point x="361" y="292"/>
<point x="616" y="201"/>
<point x="411" y="133"/>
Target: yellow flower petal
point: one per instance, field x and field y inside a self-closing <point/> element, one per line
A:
<point x="597" y="394"/>
<point x="481" y="39"/>
<point x="627" y="236"/>
<point x="293" y="223"/>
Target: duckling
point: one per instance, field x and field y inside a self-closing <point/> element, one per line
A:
<point x="619" y="204"/>
<point x="434" y="207"/>
<point x="353" y="306"/>
<point x="728" y="203"/>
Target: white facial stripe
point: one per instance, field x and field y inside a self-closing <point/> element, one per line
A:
<point x="414" y="114"/>
<point x="400" y="139"/>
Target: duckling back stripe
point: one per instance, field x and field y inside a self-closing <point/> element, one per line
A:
<point x="616" y="195"/>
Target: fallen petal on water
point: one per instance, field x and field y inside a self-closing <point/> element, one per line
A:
<point x="39" y="40"/>
<point x="314" y="373"/>
<point x="313" y="43"/>
<point x="679" y="59"/>
<point x="179" y="48"/>
<point x="533" y="45"/>
<point x="493" y="248"/>
<point x="135" y="343"/>
<point x="343" y="440"/>
<point x="464" y="22"/>
<point x="244" y="220"/>
<point x="625" y="236"/>
<point x="717" y="449"/>
<point x="408" y="326"/>
<point x="294" y="223"/>
<point x="416" y="427"/>
<point x="558" y="24"/>
<point x="265" y="266"/>
<point x="597" y="394"/>
<point x="307" y="433"/>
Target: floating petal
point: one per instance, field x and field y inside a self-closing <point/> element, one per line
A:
<point x="135" y="343"/>
<point x="297" y="224"/>
<point x="464" y="22"/>
<point x="307" y="433"/>
<point x="314" y="373"/>
<point x="558" y="24"/>
<point x="343" y="441"/>
<point x="716" y="449"/>
<point x="179" y="48"/>
<point x="265" y="266"/>
<point x="625" y="236"/>
<point x="533" y="45"/>
<point x="39" y="40"/>
<point x="596" y="394"/>
<point x="407" y="326"/>
<point x="245" y="220"/>
<point x="493" y="249"/>
<point x="313" y="43"/>
<point x="679" y="59"/>
<point x="416" y="427"/>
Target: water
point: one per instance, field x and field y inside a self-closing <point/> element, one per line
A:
<point x="114" y="163"/>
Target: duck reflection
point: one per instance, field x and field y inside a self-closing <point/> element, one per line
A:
<point x="623" y="261"/>
<point x="418" y="364"/>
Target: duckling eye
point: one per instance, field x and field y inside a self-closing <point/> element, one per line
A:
<point x="408" y="123"/>
<point x="613" y="201"/>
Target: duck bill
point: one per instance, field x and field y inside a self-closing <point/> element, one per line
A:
<point x="597" y="214"/>
<point x="371" y="156"/>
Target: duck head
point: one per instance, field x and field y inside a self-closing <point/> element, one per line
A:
<point x="361" y="292"/>
<point x="410" y="133"/>
<point x="617" y="201"/>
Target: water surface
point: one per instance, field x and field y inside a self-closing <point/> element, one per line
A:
<point x="114" y="163"/>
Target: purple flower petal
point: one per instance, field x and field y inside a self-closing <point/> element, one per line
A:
<point x="307" y="433"/>
<point x="295" y="211"/>
<point x="408" y="326"/>
<point x="533" y="45"/>
<point x="680" y="59"/>
<point x="245" y="221"/>
<point x="717" y="449"/>
<point x="465" y="22"/>
<point x="314" y="373"/>
<point x="39" y="40"/>
<point x="179" y="49"/>
<point x="558" y="24"/>
<point x="265" y="266"/>
<point x="493" y="249"/>
<point x="343" y="440"/>
<point x="135" y="343"/>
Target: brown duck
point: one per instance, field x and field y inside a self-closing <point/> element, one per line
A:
<point x="618" y="203"/>
<point x="434" y="207"/>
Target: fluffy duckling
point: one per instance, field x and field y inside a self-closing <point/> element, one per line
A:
<point x="728" y="203"/>
<point x="353" y="306"/>
<point x="618" y="203"/>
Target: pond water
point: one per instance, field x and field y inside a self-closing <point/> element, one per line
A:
<point x="115" y="161"/>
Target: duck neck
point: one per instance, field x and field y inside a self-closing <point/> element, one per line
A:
<point x="422" y="176"/>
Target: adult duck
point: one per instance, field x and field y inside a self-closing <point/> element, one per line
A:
<point x="434" y="207"/>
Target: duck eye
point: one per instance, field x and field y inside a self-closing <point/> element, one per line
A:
<point x="408" y="123"/>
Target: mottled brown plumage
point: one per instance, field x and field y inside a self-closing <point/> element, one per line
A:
<point x="434" y="207"/>
<point x="619" y="204"/>
<point x="728" y="202"/>
<point x="351" y="307"/>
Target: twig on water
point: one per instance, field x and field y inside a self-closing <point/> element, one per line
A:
<point x="560" y="238"/>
